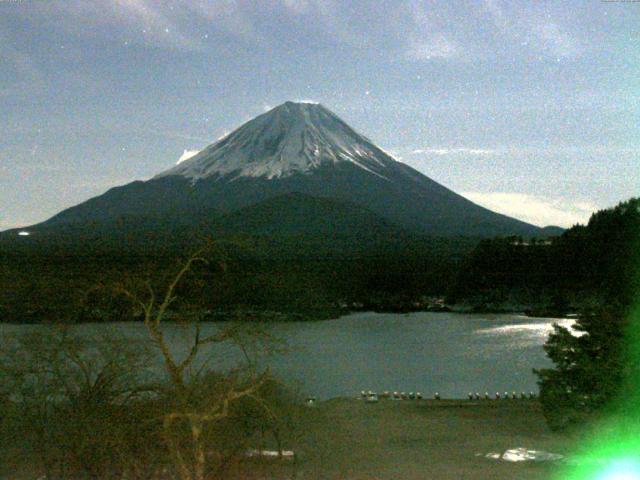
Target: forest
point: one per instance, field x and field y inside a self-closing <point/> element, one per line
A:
<point x="304" y="277"/>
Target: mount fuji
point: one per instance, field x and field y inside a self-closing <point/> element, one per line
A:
<point x="276" y="172"/>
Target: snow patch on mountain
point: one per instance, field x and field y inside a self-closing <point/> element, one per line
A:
<point x="291" y="138"/>
<point x="186" y="155"/>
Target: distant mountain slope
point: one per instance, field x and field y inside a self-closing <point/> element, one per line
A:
<point x="552" y="231"/>
<point x="294" y="148"/>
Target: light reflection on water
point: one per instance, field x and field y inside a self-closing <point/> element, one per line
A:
<point x="449" y="353"/>
<point x="533" y="333"/>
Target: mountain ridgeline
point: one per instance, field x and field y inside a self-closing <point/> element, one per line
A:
<point x="296" y="148"/>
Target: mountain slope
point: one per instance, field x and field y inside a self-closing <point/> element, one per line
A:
<point x="298" y="214"/>
<point x="296" y="147"/>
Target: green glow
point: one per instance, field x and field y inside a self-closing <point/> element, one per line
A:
<point x="621" y="470"/>
<point x="610" y="449"/>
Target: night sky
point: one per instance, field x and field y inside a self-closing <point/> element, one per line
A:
<point x="531" y="108"/>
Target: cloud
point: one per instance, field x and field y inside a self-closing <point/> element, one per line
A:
<point x="553" y="40"/>
<point x="307" y="100"/>
<point x="330" y="19"/>
<point x="229" y="16"/>
<point x="177" y="25"/>
<point x="415" y="30"/>
<point x="297" y="7"/>
<point x="453" y="151"/>
<point x="26" y="77"/>
<point x="425" y="39"/>
<point x="186" y="155"/>
<point x="135" y="21"/>
<point x="533" y="28"/>
<point x="538" y="210"/>
<point x="497" y="14"/>
<point x="517" y="150"/>
<point x="435" y="47"/>
<point x="170" y="134"/>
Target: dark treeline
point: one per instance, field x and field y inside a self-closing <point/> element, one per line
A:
<point x="53" y="278"/>
<point x="595" y="378"/>
<point x="287" y="277"/>
<point x="586" y="267"/>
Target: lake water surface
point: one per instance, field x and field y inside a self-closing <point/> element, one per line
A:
<point x="452" y="354"/>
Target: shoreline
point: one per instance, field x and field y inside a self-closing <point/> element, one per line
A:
<point x="270" y="316"/>
<point x="279" y="317"/>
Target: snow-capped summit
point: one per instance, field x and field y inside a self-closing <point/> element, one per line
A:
<point x="295" y="137"/>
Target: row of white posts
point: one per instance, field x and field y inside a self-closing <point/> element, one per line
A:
<point x="373" y="396"/>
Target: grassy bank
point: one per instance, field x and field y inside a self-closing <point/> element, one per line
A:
<point x="448" y="439"/>
<point x="350" y="439"/>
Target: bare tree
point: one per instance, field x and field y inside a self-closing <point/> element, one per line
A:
<point x="86" y="408"/>
<point x="189" y="411"/>
<point x="71" y="400"/>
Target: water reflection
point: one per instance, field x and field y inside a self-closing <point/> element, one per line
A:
<point x="532" y="333"/>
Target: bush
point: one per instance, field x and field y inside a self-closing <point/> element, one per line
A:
<point x="74" y="404"/>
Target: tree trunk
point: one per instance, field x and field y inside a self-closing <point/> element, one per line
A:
<point x="198" y="450"/>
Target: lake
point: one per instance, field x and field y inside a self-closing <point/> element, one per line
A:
<point x="449" y="353"/>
